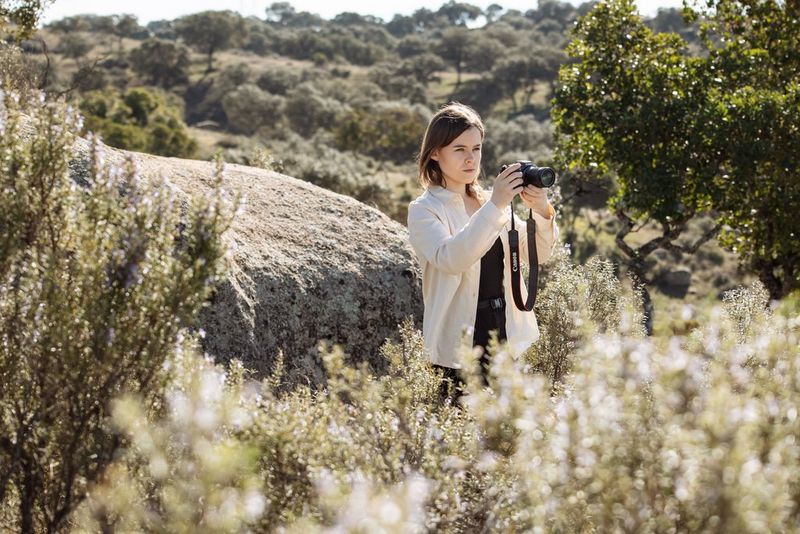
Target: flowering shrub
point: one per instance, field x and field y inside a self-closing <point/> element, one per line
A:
<point x="97" y="280"/>
<point x="698" y="434"/>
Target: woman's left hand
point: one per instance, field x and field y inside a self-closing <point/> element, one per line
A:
<point x="536" y="199"/>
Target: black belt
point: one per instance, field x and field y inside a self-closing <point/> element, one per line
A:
<point x="496" y="304"/>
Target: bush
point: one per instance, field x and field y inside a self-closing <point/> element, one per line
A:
<point x="385" y="131"/>
<point x="345" y="173"/>
<point x="308" y="110"/>
<point x="695" y="435"/>
<point x="139" y="120"/>
<point x="18" y="72"/>
<point x="522" y="137"/>
<point x="98" y="283"/>
<point x="248" y="108"/>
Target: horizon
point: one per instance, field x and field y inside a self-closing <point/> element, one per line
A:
<point x="149" y="10"/>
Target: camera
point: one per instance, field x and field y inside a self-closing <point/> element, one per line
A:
<point x="541" y="177"/>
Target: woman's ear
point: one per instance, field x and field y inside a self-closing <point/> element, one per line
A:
<point x="435" y="155"/>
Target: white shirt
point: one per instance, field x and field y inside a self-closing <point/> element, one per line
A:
<point x="449" y="246"/>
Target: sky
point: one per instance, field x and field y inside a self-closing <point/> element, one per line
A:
<point x="148" y="10"/>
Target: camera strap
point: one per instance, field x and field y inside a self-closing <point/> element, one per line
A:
<point x="533" y="261"/>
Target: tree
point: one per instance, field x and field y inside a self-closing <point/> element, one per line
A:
<point x="754" y="68"/>
<point x="630" y="104"/>
<point x="101" y="277"/>
<point x="75" y="46"/>
<point x="211" y="31"/>
<point x="308" y="110"/>
<point x="422" y="67"/>
<point x="453" y="47"/>
<point x="388" y="130"/>
<point x="21" y="15"/>
<point x="124" y="26"/>
<point x="492" y="12"/>
<point x="161" y="63"/>
<point x="458" y="13"/>
<point x="686" y="135"/>
<point x="484" y="52"/>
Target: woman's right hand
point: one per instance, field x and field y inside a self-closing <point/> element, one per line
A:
<point x="507" y="185"/>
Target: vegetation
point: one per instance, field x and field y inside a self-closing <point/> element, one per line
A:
<point x="685" y="135"/>
<point x="111" y="419"/>
<point x="139" y="120"/>
<point x="98" y="282"/>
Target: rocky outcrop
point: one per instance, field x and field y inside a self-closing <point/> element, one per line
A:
<point x="308" y="264"/>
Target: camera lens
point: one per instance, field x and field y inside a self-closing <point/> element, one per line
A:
<point x="548" y="176"/>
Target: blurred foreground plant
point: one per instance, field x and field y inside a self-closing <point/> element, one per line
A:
<point x="696" y="435"/>
<point x="97" y="282"/>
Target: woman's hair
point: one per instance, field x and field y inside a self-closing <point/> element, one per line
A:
<point x="448" y="123"/>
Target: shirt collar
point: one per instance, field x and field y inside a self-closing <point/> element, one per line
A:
<point x="443" y="194"/>
<point x="446" y="195"/>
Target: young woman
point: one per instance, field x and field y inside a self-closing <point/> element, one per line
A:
<point x="459" y="233"/>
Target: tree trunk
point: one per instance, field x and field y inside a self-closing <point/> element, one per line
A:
<point x="210" y="66"/>
<point x="778" y="285"/>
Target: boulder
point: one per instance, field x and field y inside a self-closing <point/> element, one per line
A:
<point x="307" y="265"/>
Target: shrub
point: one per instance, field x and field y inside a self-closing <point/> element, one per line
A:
<point x="695" y="435"/>
<point x="140" y="120"/>
<point x="308" y="110"/>
<point x="248" y="108"/>
<point x="97" y="283"/>
<point x="385" y="131"/>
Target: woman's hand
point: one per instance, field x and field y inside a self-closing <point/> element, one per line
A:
<point x="506" y="186"/>
<point x="536" y="199"/>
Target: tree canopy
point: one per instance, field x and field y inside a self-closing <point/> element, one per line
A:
<point x="685" y="134"/>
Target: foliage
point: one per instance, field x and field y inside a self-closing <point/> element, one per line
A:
<point x="74" y="45"/>
<point x="99" y="277"/>
<point x="161" y="63"/>
<point x="390" y="131"/>
<point x="686" y="134"/>
<point x="204" y="98"/>
<point x="521" y="138"/>
<point x="140" y="119"/>
<point x="211" y="31"/>
<point x="696" y="435"/>
<point x="248" y="108"/>
<point x="21" y="16"/>
<point x="346" y="173"/>
<point x="190" y="471"/>
<point x="18" y="71"/>
<point x="308" y="110"/>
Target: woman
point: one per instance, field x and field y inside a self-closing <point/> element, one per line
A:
<point x="459" y="233"/>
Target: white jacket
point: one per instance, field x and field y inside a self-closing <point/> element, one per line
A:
<point x="449" y="246"/>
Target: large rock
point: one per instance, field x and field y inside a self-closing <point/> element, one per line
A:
<point x="308" y="264"/>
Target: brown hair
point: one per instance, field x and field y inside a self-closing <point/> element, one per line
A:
<point x="449" y="122"/>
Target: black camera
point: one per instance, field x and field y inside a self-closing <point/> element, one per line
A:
<point x="532" y="175"/>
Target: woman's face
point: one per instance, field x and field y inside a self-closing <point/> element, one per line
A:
<point x="460" y="161"/>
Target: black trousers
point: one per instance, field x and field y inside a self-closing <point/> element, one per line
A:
<point x="486" y="320"/>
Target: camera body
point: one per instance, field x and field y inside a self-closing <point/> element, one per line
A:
<point x="541" y="177"/>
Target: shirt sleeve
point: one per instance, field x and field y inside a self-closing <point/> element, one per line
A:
<point x="454" y="254"/>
